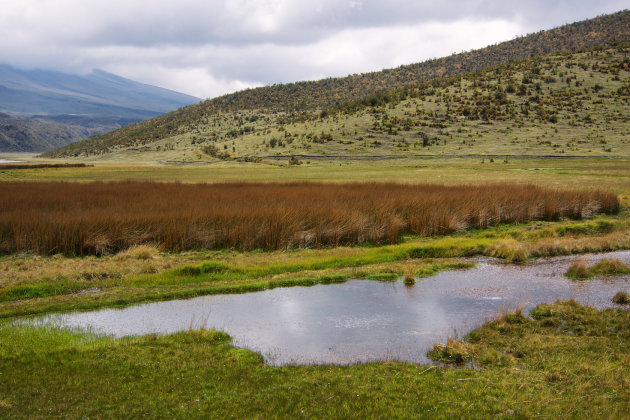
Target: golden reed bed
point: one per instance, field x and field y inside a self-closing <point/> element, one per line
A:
<point x="100" y="218"/>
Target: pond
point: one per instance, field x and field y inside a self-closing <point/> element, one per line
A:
<point x="361" y="320"/>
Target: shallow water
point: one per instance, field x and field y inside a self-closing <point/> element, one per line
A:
<point x="10" y="161"/>
<point x="361" y="320"/>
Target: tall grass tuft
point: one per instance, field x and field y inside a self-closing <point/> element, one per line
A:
<point x="578" y="270"/>
<point x="102" y="218"/>
<point x="621" y="298"/>
<point x="607" y="266"/>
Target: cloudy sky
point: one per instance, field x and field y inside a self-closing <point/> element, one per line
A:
<point x="210" y="47"/>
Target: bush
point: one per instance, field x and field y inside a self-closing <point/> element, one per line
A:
<point x="452" y="352"/>
<point x="294" y="161"/>
<point x="610" y="266"/>
<point x="621" y="298"/>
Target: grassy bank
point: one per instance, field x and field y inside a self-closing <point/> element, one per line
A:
<point x="568" y="361"/>
<point x="607" y="266"/>
<point x="35" y="284"/>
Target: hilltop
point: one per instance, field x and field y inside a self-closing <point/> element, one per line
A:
<point x="528" y="95"/>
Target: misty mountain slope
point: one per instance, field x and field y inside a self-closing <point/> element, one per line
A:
<point x="19" y="134"/>
<point x="313" y="96"/>
<point x="99" y="93"/>
<point x="46" y="109"/>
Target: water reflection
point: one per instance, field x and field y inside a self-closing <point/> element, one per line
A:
<point x="361" y="321"/>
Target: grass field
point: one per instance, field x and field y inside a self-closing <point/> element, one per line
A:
<point x="600" y="173"/>
<point x="567" y="362"/>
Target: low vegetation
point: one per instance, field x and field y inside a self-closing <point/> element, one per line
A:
<point x="14" y="166"/>
<point x="552" y="365"/>
<point x="607" y="266"/>
<point x="621" y="298"/>
<point x="79" y="219"/>
<point x="452" y="352"/>
<point x="31" y="284"/>
<point x="409" y="279"/>
<point x="568" y="361"/>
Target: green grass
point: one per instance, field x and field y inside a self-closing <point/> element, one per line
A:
<point x="606" y="267"/>
<point x="569" y="361"/>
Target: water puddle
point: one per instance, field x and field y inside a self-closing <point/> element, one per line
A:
<point x="361" y="320"/>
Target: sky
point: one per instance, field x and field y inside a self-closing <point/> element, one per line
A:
<point x="208" y="48"/>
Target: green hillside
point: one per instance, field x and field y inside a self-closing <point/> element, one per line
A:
<point x="563" y="91"/>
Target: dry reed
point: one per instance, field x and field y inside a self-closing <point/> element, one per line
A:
<point x="102" y="218"/>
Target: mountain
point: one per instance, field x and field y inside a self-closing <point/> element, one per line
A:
<point x="41" y="133"/>
<point x="85" y="105"/>
<point x="32" y="135"/>
<point x="246" y="123"/>
<point x="97" y="94"/>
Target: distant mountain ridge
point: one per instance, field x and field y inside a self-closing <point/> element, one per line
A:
<point x="19" y="134"/>
<point x="46" y="109"/>
<point x="327" y="93"/>
<point x="97" y="94"/>
<point x="42" y="133"/>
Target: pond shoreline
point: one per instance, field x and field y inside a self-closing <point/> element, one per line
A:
<point x="474" y="296"/>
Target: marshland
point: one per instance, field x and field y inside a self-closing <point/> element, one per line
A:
<point x="448" y="239"/>
<point x="586" y="205"/>
<point x="381" y="318"/>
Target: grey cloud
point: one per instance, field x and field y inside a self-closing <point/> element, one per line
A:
<point x="229" y="44"/>
<point x="299" y="23"/>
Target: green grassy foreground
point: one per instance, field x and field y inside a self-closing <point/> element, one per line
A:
<point x="569" y="361"/>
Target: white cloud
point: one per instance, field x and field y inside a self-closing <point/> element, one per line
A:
<point x="196" y="81"/>
<point x="370" y="49"/>
<point x="210" y="47"/>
